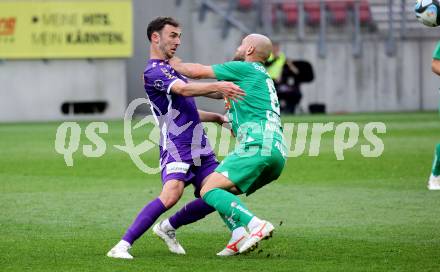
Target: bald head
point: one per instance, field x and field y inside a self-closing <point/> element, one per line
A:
<point x="262" y="44"/>
<point x="254" y="47"/>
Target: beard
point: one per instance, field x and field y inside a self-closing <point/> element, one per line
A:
<point x="238" y="57"/>
<point x="168" y="54"/>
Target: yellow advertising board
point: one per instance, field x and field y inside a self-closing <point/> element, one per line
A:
<point x="65" y="29"/>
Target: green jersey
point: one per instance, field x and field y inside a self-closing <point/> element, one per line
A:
<point x="436" y="54"/>
<point x="257" y="116"/>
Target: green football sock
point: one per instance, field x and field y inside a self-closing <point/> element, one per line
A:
<point x="231" y="223"/>
<point x="229" y="205"/>
<point x="436" y="164"/>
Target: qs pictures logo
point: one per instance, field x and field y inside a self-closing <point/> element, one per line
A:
<point x="68" y="136"/>
<point x="346" y="136"/>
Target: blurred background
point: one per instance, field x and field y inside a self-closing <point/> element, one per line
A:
<point x="84" y="59"/>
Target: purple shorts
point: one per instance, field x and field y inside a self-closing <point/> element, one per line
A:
<point x="189" y="173"/>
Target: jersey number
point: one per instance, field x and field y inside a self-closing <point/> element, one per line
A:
<point x="273" y="96"/>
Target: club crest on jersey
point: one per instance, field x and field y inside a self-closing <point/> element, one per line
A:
<point x="159" y="85"/>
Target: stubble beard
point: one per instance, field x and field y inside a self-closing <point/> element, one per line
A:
<point x="238" y="58"/>
<point x="167" y="54"/>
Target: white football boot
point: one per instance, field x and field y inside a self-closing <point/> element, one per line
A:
<point x="262" y="231"/>
<point x="434" y="183"/>
<point x="169" y="237"/>
<point x="233" y="246"/>
<point x="120" y="251"/>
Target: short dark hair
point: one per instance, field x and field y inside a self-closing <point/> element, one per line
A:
<point x="158" y="24"/>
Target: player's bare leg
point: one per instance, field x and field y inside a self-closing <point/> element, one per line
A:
<point x="216" y="193"/>
<point x="171" y="193"/>
<point x="192" y="212"/>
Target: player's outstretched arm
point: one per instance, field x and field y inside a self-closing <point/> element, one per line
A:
<point x="436" y="66"/>
<point x="227" y="89"/>
<point x="192" y="70"/>
<point x="216" y="95"/>
<point x="206" y="116"/>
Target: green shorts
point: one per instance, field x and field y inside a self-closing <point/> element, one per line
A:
<point x="249" y="169"/>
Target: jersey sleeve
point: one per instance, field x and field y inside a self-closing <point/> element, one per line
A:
<point x="436" y="54"/>
<point x="230" y="71"/>
<point x="160" y="79"/>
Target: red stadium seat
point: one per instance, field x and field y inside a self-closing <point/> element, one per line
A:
<point x="291" y="12"/>
<point x="349" y="3"/>
<point x="313" y="10"/>
<point x="336" y="5"/>
<point x="245" y="4"/>
<point x="365" y="12"/>
<point x="338" y="12"/>
<point x="365" y="16"/>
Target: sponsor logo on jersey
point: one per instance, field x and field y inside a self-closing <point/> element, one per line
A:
<point x="177" y="167"/>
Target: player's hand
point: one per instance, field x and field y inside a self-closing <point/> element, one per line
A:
<point x="230" y="90"/>
<point x="227" y="125"/>
<point x="222" y="119"/>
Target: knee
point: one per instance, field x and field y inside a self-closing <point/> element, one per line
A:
<point x="203" y="191"/>
<point x="169" y="198"/>
<point x="170" y="195"/>
<point x="234" y="190"/>
<point x="206" y="188"/>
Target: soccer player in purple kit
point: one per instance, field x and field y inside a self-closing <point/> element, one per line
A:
<point x="182" y="161"/>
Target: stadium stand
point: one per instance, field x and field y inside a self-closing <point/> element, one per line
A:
<point x="313" y="12"/>
<point x="364" y="12"/>
<point x="338" y="12"/>
<point x="245" y="4"/>
<point x="290" y="11"/>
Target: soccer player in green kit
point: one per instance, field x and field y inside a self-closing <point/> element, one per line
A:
<point x="434" y="179"/>
<point x="259" y="158"/>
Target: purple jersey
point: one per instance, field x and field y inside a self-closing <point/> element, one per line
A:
<point x="182" y="136"/>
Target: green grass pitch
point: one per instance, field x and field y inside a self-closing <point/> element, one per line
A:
<point x="359" y="214"/>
